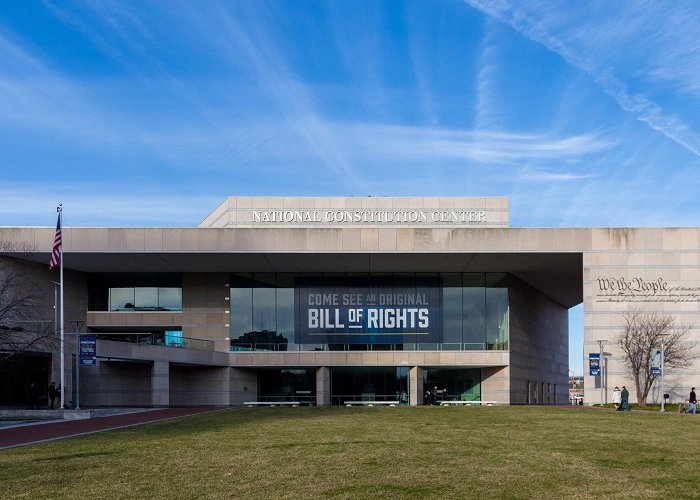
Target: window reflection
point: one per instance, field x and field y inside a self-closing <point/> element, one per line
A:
<point x="145" y="299"/>
<point x="374" y="383"/>
<point x="265" y="311"/>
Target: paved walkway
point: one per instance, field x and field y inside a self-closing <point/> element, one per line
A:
<point x="57" y="429"/>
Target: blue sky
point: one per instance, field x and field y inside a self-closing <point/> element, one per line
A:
<point x="150" y="113"/>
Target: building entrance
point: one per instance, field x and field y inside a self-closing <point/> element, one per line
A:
<point x="288" y="385"/>
<point x="18" y="372"/>
<point x="375" y="383"/>
<point x="451" y="384"/>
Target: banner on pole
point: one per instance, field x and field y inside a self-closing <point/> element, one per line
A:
<point x="594" y="363"/>
<point x="656" y="363"/>
<point x="88" y="350"/>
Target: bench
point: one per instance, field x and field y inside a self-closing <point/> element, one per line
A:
<point x="468" y="403"/>
<point x="371" y="403"/>
<point x="251" y="404"/>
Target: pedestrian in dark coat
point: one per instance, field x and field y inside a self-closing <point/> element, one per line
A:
<point x="692" y="402"/>
<point x="625" y="398"/>
<point x="52" y="394"/>
<point x="33" y="396"/>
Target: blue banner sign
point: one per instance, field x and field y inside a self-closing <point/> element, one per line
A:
<point x="374" y="312"/>
<point x="88" y="350"/>
<point x="656" y="364"/>
<point x="594" y="363"/>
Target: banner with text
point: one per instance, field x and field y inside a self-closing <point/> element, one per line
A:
<point x="88" y="350"/>
<point x="377" y="312"/>
<point x="594" y="364"/>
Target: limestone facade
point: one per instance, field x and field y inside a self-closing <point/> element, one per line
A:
<point x="553" y="269"/>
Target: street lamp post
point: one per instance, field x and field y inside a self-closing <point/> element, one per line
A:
<point x="78" y="325"/>
<point x="601" y="344"/>
<point x="663" y="399"/>
<point x="56" y="286"/>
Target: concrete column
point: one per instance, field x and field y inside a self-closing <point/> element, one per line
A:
<point x="415" y="382"/>
<point x="323" y="386"/>
<point x="495" y="384"/>
<point x="160" y="384"/>
<point x="243" y="385"/>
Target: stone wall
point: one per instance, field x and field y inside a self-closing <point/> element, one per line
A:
<point x="539" y="347"/>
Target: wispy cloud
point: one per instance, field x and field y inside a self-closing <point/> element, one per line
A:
<point x="540" y="26"/>
<point x="41" y="98"/>
<point x="486" y="104"/>
<point x="480" y="146"/>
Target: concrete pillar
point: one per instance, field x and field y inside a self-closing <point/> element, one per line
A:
<point x="495" y="384"/>
<point x="323" y="386"/>
<point x="160" y="384"/>
<point x="415" y="382"/>
<point x="243" y="385"/>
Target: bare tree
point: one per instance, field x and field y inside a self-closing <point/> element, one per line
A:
<point x="23" y="326"/>
<point x="642" y="336"/>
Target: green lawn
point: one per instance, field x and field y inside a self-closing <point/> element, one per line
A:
<point x="504" y="452"/>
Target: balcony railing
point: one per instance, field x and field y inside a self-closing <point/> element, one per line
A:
<point x="456" y="346"/>
<point x="158" y="339"/>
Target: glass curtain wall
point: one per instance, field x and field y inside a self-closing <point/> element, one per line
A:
<point x="376" y="383"/>
<point x="134" y="292"/>
<point x="266" y="311"/>
<point x="287" y="385"/>
<point x="450" y="385"/>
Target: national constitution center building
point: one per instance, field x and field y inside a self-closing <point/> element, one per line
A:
<point x="328" y="300"/>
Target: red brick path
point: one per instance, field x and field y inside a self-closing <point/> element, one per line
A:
<point x="46" y="431"/>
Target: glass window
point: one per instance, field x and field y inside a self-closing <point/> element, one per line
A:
<point x="496" y="311"/>
<point x="285" y="316"/>
<point x="146" y="299"/>
<point x="450" y="384"/>
<point x="100" y="286"/>
<point x="264" y="310"/>
<point x="170" y="299"/>
<point x="375" y="383"/>
<point x="452" y="311"/>
<point x="350" y="311"/>
<point x="287" y="385"/>
<point x="173" y="338"/>
<point x="241" y="316"/>
<point x="473" y="311"/>
<point x="121" y="299"/>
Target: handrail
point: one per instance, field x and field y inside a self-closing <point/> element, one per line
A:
<point x="448" y="346"/>
<point x="156" y="339"/>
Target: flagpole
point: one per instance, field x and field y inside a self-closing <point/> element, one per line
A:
<point x="63" y="384"/>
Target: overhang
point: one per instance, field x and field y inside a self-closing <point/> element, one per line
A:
<point x="557" y="275"/>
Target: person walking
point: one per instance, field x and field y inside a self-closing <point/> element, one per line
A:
<point x="616" y="397"/>
<point x="52" y="394"/>
<point x="33" y="396"/>
<point x="692" y="402"/>
<point x="625" y="398"/>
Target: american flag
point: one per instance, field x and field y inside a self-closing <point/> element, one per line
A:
<point x="56" y="253"/>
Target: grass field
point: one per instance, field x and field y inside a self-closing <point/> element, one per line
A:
<point x="436" y="452"/>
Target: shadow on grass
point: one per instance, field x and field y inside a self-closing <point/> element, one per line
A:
<point x="73" y="456"/>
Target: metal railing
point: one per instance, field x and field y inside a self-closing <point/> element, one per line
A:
<point x="451" y="346"/>
<point x="157" y="339"/>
